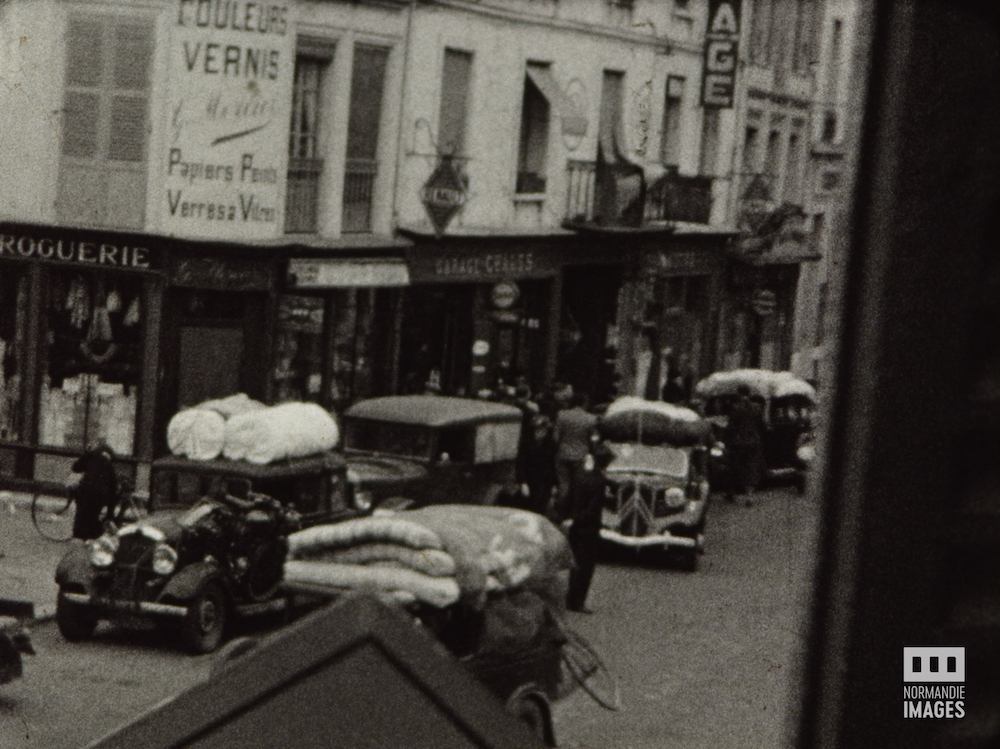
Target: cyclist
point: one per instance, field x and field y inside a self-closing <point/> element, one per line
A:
<point x="96" y="490"/>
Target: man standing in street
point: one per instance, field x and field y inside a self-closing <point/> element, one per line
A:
<point x="745" y="443"/>
<point x="586" y="497"/>
<point x="573" y="429"/>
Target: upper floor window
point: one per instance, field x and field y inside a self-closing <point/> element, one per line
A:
<point x="367" y="88"/>
<point x="533" y="145"/>
<point x="456" y="79"/>
<point x="670" y="145"/>
<point x="102" y="180"/>
<point x="760" y="31"/>
<point x="305" y="164"/>
<point x="707" y="162"/>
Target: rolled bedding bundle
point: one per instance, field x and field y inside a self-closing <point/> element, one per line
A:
<point x="288" y="430"/>
<point x="433" y="562"/>
<point x="196" y="433"/>
<point x="199" y="432"/>
<point x="436" y="591"/>
<point x="389" y="529"/>
<point x="631" y="419"/>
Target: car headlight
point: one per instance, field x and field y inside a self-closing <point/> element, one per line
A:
<point x="363" y="499"/>
<point x="674" y="497"/>
<point x="102" y="550"/>
<point x="164" y="559"/>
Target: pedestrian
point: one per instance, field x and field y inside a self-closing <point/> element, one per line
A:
<point x="574" y="427"/>
<point x="586" y="499"/>
<point x="96" y="491"/>
<point x="541" y="465"/>
<point x="745" y="445"/>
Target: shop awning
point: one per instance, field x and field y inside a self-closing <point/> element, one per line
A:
<point x="573" y="120"/>
<point x="318" y="273"/>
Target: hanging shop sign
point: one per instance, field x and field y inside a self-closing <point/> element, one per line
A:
<point x="721" y="54"/>
<point x="225" y="159"/>
<point x="444" y="193"/>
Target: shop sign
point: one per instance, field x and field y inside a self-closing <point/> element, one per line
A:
<point x="224" y="274"/>
<point x="338" y="274"/>
<point x="109" y="252"/>
<point x="225" y="158"/>
<point x="482" y="267"/>
<point x="721" y="54"/>
<point x="444" y="194"/>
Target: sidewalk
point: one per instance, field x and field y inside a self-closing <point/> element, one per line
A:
<point x="28" y="564"/>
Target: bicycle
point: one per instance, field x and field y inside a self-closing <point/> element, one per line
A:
<point x="53" y="516"/>
<point x="585" y="669"/>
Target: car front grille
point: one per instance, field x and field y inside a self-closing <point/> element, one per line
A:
<point x="132" y="567"/>
<point x="638" y="505"/>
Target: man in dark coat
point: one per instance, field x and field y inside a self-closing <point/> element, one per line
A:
<point x="586" y="498"/>
<point x="745" y="445"/>
<point x="96" y="491"/>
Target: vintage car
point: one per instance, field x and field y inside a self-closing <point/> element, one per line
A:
<point x="211" y="547"/>
<point x="196" y="568"/>
<point x="656" y="485"/>
<point x="429" y="449"/>
<point x="787" y="403"/>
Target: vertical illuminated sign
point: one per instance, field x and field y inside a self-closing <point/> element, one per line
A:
<point x="721" y="54"/>
<point x="225" y="159"/>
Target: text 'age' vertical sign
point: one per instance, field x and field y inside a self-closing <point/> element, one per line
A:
<point x="722" y="40"/>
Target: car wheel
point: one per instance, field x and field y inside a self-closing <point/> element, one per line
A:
<point x="205" y="620"/>
<point x="76" y="622"/>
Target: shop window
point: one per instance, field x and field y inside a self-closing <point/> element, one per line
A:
<point x="533" y="145"/>
<point x="104" y="116"/>
<point x="13" y="347"/>
<point x="298" y="372"/>
<point x="367" y="87"/>
<point x="456" y="77"/>
<point x="670" y="146"/>
<point x="93" y="347"/>
<point x="305" y="167"/>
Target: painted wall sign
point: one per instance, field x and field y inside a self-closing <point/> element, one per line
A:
<point x="231" y="66"/>
<point x="721" y="54"/>
<point x="482" y="266"/>
<point x="227" y="274"/>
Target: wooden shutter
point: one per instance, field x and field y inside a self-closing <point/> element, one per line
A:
<point x="105" y="121"/>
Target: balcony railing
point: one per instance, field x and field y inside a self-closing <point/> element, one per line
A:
<point x="302" y="205"/>
<point x="581" y="187"/>
<point x="673" y="197"/>
<point x="359" y="183"/>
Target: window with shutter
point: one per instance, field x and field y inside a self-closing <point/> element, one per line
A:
<point x="105" y="122"/>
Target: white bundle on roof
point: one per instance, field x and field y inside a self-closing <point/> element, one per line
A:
<point x="288" y="430"/>
<point x="628" y="403"/>
<point x="199" y="432"/>
<point x="196" y="433"/>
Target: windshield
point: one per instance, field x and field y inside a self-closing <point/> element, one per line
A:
<point x="387" y="438"/>
<point x="632" y="458"/>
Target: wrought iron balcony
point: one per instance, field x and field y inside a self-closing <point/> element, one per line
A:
<point x="674" y="197"/>
<point x="302" y="202"/>
<point x="359" y="189"/>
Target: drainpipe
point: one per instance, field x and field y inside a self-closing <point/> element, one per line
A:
<point x="402" y="108"/>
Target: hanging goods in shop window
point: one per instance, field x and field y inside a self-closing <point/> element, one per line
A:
<point x="99" y="345"/>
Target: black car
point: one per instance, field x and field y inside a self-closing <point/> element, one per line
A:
<point x="211" y="548"/>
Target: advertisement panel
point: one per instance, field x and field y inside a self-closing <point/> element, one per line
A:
<point x="721" y="54"/>
<point x="231" y="67"/>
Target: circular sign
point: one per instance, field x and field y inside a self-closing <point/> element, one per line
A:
<point x="480" y="348"/>
<point x="504" y="294"/>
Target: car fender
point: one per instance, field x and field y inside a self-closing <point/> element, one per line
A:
<point x="74" y="569"/>
<point x="188" y="581"/>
